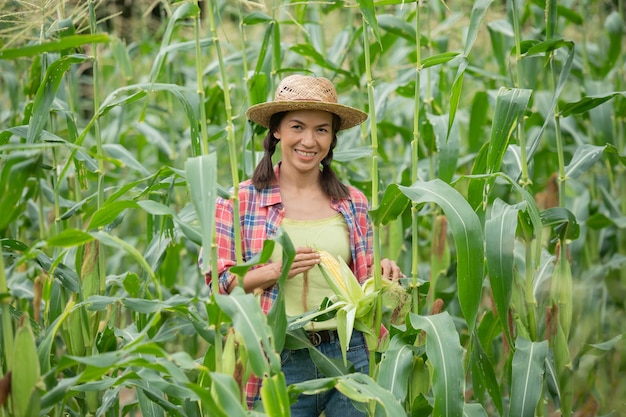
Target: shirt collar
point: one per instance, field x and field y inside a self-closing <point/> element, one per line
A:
<point x="270" y="196"/>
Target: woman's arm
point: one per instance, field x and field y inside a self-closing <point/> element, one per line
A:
<point x="267" y="275"/>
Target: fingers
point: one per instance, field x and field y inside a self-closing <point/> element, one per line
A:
<point x="305" y="259"/>
<point x="390" y="269"/>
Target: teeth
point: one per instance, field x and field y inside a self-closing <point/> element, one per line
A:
<point x="306" y="153"/>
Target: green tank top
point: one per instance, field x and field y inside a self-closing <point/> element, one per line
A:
<point x="305" y="293"/>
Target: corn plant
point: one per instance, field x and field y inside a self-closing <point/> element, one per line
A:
<point x="493" y="159"/>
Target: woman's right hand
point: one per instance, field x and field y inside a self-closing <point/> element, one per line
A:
<point x="267" y="275"/>
<point x="305" y="259"/>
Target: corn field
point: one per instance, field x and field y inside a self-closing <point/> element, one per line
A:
<point x="494" y="160"/>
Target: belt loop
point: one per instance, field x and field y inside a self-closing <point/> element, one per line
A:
<point x="315" y="338"/>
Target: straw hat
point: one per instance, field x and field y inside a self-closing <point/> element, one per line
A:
<point x="302" y="92"/>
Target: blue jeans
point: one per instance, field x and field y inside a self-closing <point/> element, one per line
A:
<point x="298" y="367"/>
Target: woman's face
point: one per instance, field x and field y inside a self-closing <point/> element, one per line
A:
<point x="306" y="137"/>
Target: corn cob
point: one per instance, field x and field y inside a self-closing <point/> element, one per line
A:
<point x="25" y="374"/>
<point x="352" y="302"/>
<point x="330" y="265"/>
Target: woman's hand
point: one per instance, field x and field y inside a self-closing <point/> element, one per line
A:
<point x="390" y="270"/>
<point x="305" y="259"/>
<point x="267" y="275"/>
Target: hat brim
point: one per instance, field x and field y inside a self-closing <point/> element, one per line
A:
<point x="261" y="113"/>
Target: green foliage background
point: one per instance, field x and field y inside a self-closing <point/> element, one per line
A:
<point x="493" y="157"/>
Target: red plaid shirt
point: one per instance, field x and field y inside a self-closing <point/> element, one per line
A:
<point x="260" y="215"/>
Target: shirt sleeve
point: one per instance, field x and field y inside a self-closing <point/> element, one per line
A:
<point x="225" y="241"/>
<point x="364" y="234"/>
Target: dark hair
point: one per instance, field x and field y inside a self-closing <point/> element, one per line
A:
<point x="264" y="176"/>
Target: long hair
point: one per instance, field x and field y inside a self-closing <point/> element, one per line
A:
<point x="264" y="176"/>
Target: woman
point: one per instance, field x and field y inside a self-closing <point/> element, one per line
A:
<point x="303" y="196"/>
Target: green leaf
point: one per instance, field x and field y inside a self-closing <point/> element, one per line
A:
<point x="445" y="355"/>
<point x="157" y="209"/>
<point x="277" y="314"/>
<point x="478" y="13"/>
<point x="249" y="320"/>
<point x="511" y="104"/>
<point x="259" y="258"/>
<point x="202" y="185"/>
<point x="562" y="221"/>
<point x="587" y="103"/>
<point x="47" y="92"/>
<point x="533" y="143"/>
<point x="17" y="168"/>
<point x="499" y="249"/>
<point x="397" y="26"/>
<point x="329" y="367"/>
<point x="369" y="14"/>
<point x="356" y="386"/>
<point x="274" y="395"/>
<point x="223" y="397"/>
<point x="527" y="376"/>
<point x="448" y="142"/>
<point x="119" y="243"/>
<point x="185" y="11"/>
<point x="69" y="238"/>
<point x="117" y="151"/>
<point x="474" y="410"/>
<point x="598" y="349"/>
<point x="585" y="156"/>
<point x="438" y="59"/>
<point x="256" y="17"/>
<point x="510" y="107"/>
<point x="121" y="96"/>
<point x="109" y="212"/>
<point x="483" y="375"/>
<point x="478" y="120"/>
<point x="455" y="96"/>
<point x="392" y="205"/>
<point x="360" y="387"/>
<point x="466" y="230"/>
<point x="67" y="276"/>
<point x="66" y="42"/>
<point x="395" y="368"/>
<point x="614" y="26"/>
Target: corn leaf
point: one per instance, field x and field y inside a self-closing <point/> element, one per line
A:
<point x="499" y="245"/>
<point x="527" y="376"/>
<point x="47" y="92"/>
<point x="445" y="354"/>
<point x="17" y="168"/>
<point x="484" y="376"/>
<point x="274" y="396"/>
<point x="67" y="42"/>
<point x="584" y="158"/>
<point x="249" y="320"/>
<point x="202" y="184"/>
<point x="510" y="107"/>
<point x="395" y="368"/>
<point x="467" y="231"/>
<point x="357" y="386"/>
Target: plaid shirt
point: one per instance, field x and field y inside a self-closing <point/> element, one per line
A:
<point x="260" y="215"/>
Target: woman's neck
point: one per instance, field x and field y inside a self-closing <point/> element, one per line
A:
<point x="289" y="179"/>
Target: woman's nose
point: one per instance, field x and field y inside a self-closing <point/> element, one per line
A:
<point x="307" y="137"/>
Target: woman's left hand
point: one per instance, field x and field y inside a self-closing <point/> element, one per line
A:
<point x="390" y="269"/>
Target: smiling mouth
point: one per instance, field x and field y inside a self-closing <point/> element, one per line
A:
<point x="307" y="154"/>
